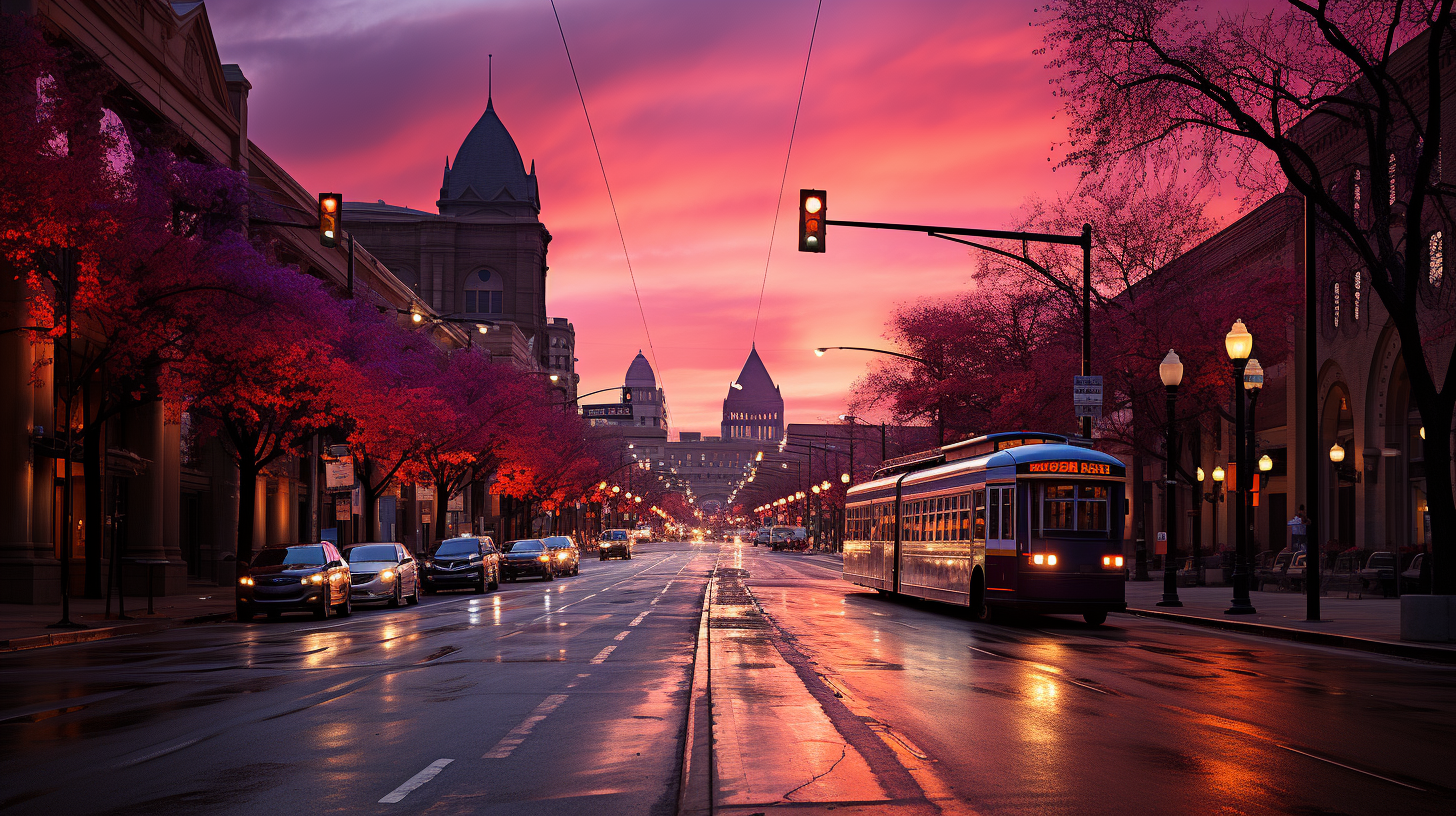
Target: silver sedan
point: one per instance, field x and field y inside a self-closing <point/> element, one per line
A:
<point x="384" y="573"/>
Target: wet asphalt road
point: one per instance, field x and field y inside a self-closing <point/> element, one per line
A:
<point x="1046" y="715"/>
<point x="562" y="697"/>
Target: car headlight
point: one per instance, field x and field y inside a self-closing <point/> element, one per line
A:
<point x="316" y="578"/>
<point x="543" y="558"/>
<point x="245" y="581"/>
<point x="563" y="555"/>
<point x="386" y="576"/>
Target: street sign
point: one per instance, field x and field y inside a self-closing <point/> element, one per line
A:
<point x="343" y="508"/>
<point x="1087" y="391"/>
<point x="457" y="503"/>
<point x="1094" y="411"/>
<point x="424" y="493"/>
<point x="339" y="473"/>
<point x="1162" y="536"/>
<point x="607" y="411"/>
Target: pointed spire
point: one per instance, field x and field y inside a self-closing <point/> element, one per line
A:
<point x="489" y="80"/>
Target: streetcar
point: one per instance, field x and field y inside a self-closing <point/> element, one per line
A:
<point x="1021" y="520"/>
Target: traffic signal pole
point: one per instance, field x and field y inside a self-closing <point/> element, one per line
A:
<point x="1084" y="240"/>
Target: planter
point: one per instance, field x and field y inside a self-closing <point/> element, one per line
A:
<point x="1428" y="618"/>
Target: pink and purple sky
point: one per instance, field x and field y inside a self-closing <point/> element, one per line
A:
<point x="933" y="112"/>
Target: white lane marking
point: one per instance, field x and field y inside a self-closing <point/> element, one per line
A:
<point x="623" y="635"/>
<point x="665" y="586"/>
<point x="654" y="601"/>
<point x="578" y="679"/>
<point x="1348" y="768"/>
<point x="160" y="752"/>
<point x="639" y="618"/>
<point x="415" y="781"/>
<point x="602" y="655"/>
<point x="518" y="734"/>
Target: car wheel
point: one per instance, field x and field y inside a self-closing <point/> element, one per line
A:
<point x="346" y="608"/>
<point x="480" y="587"/>
<point x="322" y="613"/>
<point x="398" y="595"/>
<point x="603" y="557"/>
<point x="629" y="555"/>
<point x="550" y="575"/>
<point x="1095" y="617"/>
<point x="414" y="597"/>
<point x="244" y="614"/>
<point x="495" y="582"/>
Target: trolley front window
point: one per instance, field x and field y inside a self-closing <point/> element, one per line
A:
<point x="1074" y="506"/>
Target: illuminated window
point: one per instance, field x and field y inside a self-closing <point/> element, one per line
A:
<point x="1437" y="257"/>
<point x="1391" y="172"/>
<point x="1337" y="304"/>
<point x="1355" y="196"/>
<point x="1355" y="300"/>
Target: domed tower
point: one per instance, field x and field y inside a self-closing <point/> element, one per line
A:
<point x="488" y="179"/>
<point x="649" y="403"/>
<point x="754" y="408"/>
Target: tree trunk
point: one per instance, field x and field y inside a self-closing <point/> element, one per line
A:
<point x="247" y="508"/>
<point x="95" y="512"/>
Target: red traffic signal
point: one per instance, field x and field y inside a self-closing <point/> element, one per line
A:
<point x="331" y="218"/>
<point x="813" y="209"/>
<point x="626" y="395"/>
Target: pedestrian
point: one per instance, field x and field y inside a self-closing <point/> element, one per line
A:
<point x="1299" y="531"/>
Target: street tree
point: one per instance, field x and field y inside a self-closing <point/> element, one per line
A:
<point x="1240" y="97"/>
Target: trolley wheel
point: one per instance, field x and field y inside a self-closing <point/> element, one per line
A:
<point x="1096" y="617"/>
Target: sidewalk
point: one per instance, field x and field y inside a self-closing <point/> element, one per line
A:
<point x="23" y="626"/>
<point x="1370" y="624"/>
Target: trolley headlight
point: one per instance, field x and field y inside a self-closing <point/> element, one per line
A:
<point x="1047" y="559"/>
<point x="1038" y="559"/>
<point x="1051" y="560"/>
<point x="1111" y="560"/>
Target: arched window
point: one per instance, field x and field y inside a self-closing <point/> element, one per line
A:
<point x="483" y="293"/>
<point x="1437" y="253"/>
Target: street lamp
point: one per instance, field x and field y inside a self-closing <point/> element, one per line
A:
<point x="935" y="371"/>
<point x="1171" y="373"/>
<point x="1239" y="344"/>
<point x="1253" y="385"/>
<point x="844" y="477"/>
<point x="1265" y="464"/>
<point x="1337" y="453"/>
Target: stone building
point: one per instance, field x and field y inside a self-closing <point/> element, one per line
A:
<point x="754" y="408"/>
<point x="483" y="254"/>
<point x="644" y="428"/>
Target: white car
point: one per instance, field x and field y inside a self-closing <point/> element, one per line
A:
<point x="382" y="573"/>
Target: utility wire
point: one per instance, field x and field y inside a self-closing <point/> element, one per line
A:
<point x="610" y="198"/>
<point x="773" y="232"/>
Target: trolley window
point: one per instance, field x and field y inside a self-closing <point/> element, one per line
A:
<point x="1074" y="506"/>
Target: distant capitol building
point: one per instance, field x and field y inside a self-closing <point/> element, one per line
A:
<point x="754" y="408"/>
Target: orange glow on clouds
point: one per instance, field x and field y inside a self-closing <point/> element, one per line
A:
<point x="936" y="113"/>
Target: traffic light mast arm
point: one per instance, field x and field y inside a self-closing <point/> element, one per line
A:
<point x="1009" y="235"/>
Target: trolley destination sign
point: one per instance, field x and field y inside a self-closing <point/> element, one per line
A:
<point x="1072" y="467"/>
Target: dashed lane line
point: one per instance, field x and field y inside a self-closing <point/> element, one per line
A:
<point x="639" y="618"/>
<point x="415" y="781"/>
<point x="511" y="741"/>
<point x="602" y="655"/>
<point x="623" y="634"/>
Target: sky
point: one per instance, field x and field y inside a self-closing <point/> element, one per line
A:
<point x="921" y="111"/>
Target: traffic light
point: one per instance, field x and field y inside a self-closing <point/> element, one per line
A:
<point x="626" y="395"/>
<point x="331" y="218"/>
<point x="813" y="209"/>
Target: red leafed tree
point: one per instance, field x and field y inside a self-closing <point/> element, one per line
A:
<point x="484" y="406"/>
<point x="263" y="372"/>
<point x="1248" y="97"/>
<point x="551" y="463"/>
<point x="385" y="395"/>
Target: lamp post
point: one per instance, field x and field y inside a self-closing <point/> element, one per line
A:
<point x="851" y="419"/>
<point x="1171" y="372"/>
<point x="1253" y="384"/>
<point x="935" y="371"/>
<point x="1239" y="343"/>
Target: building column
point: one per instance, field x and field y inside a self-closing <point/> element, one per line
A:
<point x="29" y="571"/>
<point x="176" y="569"/>
<point x="152" y="516"/>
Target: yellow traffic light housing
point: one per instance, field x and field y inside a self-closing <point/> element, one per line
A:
<point x="331" y="218"/>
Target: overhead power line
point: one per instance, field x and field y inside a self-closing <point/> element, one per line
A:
<point x="631" y="273"/>
<point x="773" y="231"/>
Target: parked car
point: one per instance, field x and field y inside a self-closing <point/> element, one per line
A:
<point x="799" y="538"/>
<point x="1410" y="577"/>
<point x="382" y="573"/>
<point x="465" y="562"/>
<point x="1379" y="572"/>
<point x="528" y="556"/>
<point x="764" y="536"/>
<point x="642" y="534"/>
<point x="566" y="554"/>
<point x="295" y="578"/>
<point x="780" y="538"/>
<point x="615" y="544"/>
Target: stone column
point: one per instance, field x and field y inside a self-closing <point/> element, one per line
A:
<point x="171" y="523"/>
<point x="29" y="572"/>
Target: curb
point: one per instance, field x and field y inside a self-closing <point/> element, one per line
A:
<point x="695" y="785"/>
<point x="1410" y="651"/>
<point x="108" y="632"/>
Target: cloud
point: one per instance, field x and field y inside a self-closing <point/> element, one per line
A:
<point x="930" y="112"/>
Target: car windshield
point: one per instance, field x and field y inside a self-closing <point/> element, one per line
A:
<point x="555" y="542"/>
<point x="291" y="556"/>
<point x="524" y="545"/>
<point x="372" y="552"/>
<point x="614" y="535"/>
<point x="458" y="547"/>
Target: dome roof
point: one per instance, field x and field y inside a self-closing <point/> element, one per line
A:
<point x="639" y="374"/>
<point x="756" y="382"/>
<point x="488" y="166"/>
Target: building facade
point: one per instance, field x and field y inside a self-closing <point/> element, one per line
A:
<point x="754" y="408"/>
